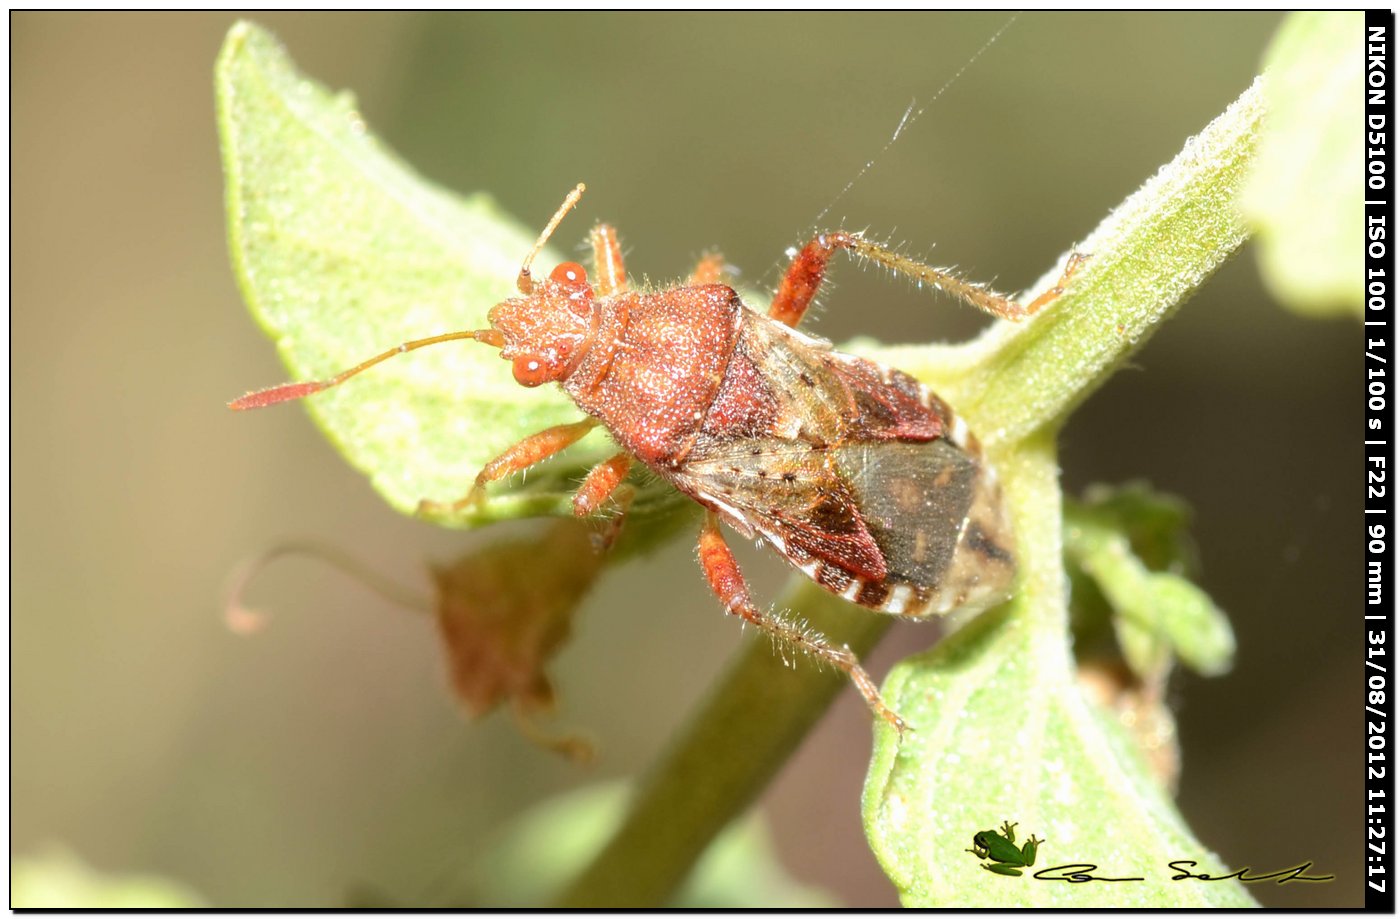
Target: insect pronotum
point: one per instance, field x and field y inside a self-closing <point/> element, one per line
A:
<point x="856" y="473"/>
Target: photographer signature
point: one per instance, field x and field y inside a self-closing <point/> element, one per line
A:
<point x="999" y="854"/>
<point x="1082" y="873"/>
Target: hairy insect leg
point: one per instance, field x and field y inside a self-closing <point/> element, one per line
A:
<point x="808" y="269"/>
<point x="607" y="535"/>
<point x="727" y="581"/>
<point x="607" y="261"/>
<point x="533" y="449"/>
<point x="709" y="270"/>
<point x="602" y="481"/>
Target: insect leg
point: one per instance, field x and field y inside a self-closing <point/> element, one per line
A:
<point x="603" y="480"/>
<point x="727" y="581"/>
<point x="709" y="270"/>
<point x="808" y="268"/>
<point x="607" y="261"/>
<point x="603" y="539"/>
<point x="600" y="482"/>
<point x="804" y="275"/>
<point x="522" y="455"/>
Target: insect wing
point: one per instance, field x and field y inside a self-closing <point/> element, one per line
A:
<point x="866" y="481"/>
<point x="937" y="516"/>
<point x="791" y="493"/>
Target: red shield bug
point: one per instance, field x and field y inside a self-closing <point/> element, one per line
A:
<point x="856" y="473"/>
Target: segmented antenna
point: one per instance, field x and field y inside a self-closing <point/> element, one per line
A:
<point x="289" y="391"/>
<point x="524" y="283"/>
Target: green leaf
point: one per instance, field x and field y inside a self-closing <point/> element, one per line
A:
<point x="1132" y="543"/>
<point x="1304" y="198"/>
<point x="1003" y="732"/>
<point x="552" y="840"/>
<point x="60" y="880"/>
<point x="1155" y="523"/>
<point x="1198" y="631"/>
<point x="342" y="252"/>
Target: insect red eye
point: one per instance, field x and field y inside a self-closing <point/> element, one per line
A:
<point x="531" y="370"/>
<point x="570" y="273"/>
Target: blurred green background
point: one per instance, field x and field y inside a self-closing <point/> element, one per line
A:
<point x="323" y="756"/>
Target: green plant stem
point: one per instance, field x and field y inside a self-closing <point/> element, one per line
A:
<point x="1015" y="385"/>
<point x="761" y="710"/>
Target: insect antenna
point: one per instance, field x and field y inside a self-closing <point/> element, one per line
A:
<point x="524" y="282"/>
<point x="289" y="391"/>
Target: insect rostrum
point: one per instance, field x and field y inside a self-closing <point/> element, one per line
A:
<point x="856" y="473"/>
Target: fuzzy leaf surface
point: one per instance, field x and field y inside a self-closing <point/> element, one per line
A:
<point x="342" y="252"/>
